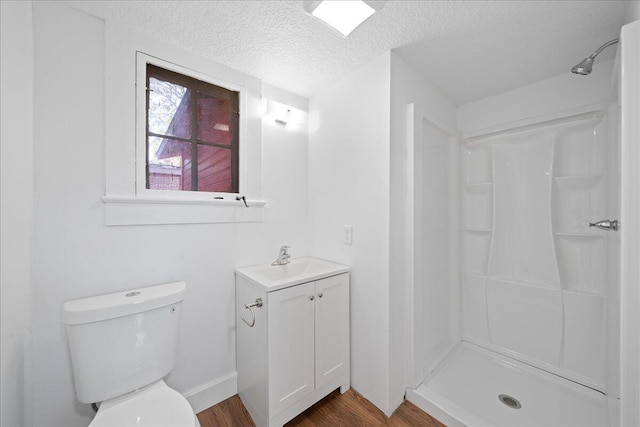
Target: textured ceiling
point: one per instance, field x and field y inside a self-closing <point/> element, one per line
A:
<point x="467" y="49"/>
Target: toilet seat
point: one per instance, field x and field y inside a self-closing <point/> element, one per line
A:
<point x="156" y="405"/>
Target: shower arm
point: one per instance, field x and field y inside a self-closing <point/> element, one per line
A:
<point x="603" y="47"/>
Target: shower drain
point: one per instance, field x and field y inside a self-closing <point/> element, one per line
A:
<point x="511" y="402"/>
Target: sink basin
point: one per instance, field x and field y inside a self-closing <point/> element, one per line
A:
<point x="299" y="270"/>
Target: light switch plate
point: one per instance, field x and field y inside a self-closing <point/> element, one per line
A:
<point x="348" y="235"/>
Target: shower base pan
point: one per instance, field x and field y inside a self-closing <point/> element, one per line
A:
<point x="476" y="387"/>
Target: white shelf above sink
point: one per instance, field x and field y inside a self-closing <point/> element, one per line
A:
<point x="299" y="270"/>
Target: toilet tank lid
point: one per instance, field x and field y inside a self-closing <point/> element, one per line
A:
<point x="119" y="304"/>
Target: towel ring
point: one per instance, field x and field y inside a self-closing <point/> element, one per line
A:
<point x="257" y="303"/>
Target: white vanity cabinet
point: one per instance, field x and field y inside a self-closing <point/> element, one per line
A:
<point x="297" y="350"/>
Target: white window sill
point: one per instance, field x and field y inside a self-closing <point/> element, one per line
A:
<point x="146" y="210"/>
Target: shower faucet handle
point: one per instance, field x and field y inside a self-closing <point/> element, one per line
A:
<point x="606" y="224"/>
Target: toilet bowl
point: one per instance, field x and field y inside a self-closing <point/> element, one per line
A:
<point x="156" y="405"/>
<point x="122" y="346"/>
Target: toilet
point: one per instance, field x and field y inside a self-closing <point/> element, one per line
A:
<point x="122" y="346"/>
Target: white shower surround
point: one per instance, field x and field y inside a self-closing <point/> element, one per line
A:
<point x="560" y="310"/>
<point x="534" y="272"/>
<point x="550" y="316"/>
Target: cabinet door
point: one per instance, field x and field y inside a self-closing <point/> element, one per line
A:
<point x="332" y="328"/>
<point x="291" y="367"/>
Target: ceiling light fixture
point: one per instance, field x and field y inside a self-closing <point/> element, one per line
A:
<point x="343" y="15"/>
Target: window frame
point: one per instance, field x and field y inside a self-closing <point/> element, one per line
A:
<point x="142" y="59"/>
<point x="123" y="204"/>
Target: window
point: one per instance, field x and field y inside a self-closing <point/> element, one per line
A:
<point x="143" y="187"/>
<point x="192" y="134"/>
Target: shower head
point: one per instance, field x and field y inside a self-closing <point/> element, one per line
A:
<point x="586" y="65"/>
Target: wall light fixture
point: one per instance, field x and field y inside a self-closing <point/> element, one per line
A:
<point x="283" y="115"/>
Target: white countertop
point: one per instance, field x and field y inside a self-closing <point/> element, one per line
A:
<point x="299" y="270"/>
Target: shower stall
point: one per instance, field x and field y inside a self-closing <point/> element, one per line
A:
<point x="515" y="298"/>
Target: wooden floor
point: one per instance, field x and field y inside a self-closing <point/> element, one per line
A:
<point x="335" y="410"/>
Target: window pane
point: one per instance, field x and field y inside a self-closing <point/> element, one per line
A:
<point x="186" y="114"/>
<point x="169" y="111"/>
<point x="214" y="119"/>
<point x="169" y="164"/>
<point x="214" y="169"/>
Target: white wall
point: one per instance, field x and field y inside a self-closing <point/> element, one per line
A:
<point x="16" y="211"/>
<point x="630" y="234"/>
<point x="407" y="86"/>
<point x="537" y="100"/>
<point x="357" y="176"/>
<point x="76" y="255"/>
<point x="633" y="13"/>
<point x="349" y="184"/>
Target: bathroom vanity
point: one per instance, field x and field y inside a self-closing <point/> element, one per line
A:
<point x="292" y="336"/>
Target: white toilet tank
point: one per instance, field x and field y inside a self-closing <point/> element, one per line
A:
<point x="123" y="341"/>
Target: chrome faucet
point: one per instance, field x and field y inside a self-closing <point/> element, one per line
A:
<point x="283" y="256"/>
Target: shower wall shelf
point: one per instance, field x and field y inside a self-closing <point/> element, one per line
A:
<point x="476" y="252"/>
<point x="579" y="292"/>
<point x="580" y="236"/>
<point x="479" y="186"/>
<point x="521" y="282"/>
<point x="478" y="206"/>
<point x="476" y="275"/>
<point x="476" y="167"/>
<point x="578" y="182"/>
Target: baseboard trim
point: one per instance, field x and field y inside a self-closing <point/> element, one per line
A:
<point x="213" y="392"/>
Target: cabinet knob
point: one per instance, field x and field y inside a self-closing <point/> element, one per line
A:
<point x="311" y="297"/>
<point x="320" y="295"/>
